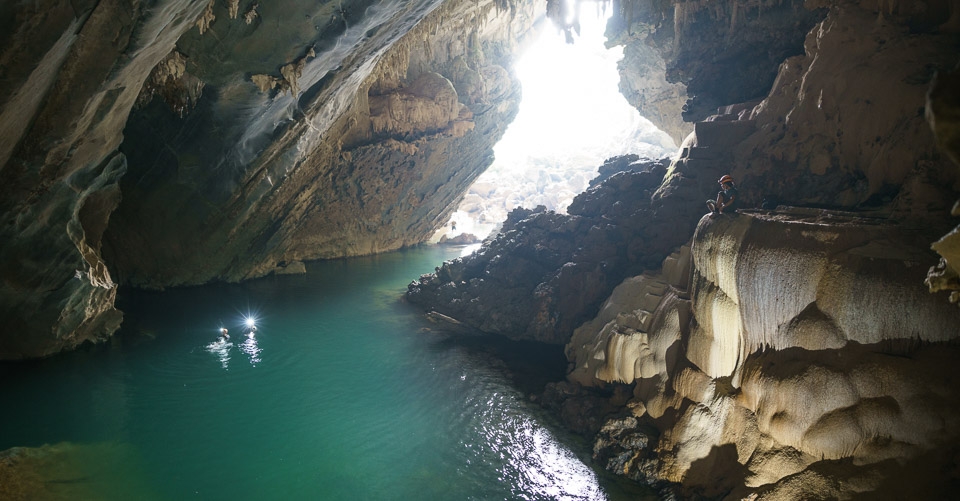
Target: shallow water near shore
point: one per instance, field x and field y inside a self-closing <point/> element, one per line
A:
<point x="344" y="392"/>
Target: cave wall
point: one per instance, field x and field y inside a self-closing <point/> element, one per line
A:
<point x="190" y="141"/>
<point x="943" y="114"/>
<point x="803" y="357"/>
<point x="71" y="74"/>
<point x="683" y="60"/>
<point x="370" y="156"/>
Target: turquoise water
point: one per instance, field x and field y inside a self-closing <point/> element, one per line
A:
<point x="345" y="392"/>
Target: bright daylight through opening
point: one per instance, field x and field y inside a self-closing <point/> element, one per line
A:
<point x="571" y="119"/>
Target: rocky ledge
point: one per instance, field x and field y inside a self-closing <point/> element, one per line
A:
<point x="546" y="273"/>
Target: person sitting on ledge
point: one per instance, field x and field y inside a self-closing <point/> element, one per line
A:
<point x="727" y="199"/>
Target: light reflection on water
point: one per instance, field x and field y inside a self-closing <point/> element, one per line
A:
<point x="346" y="394"/>
<point x="251" y="349"/>
<point x="221" y="350"/>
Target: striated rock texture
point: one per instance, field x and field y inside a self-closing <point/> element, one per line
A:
<point x="377" y="125"/>
<point x="184" y="143"/>
<point x="71" y="73"/>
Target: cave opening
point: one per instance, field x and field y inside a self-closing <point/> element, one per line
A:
<point x="572" y="117"/>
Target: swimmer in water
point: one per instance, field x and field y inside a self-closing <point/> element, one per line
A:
<point x="251" y="330"/>
<point x="223" y="334"/>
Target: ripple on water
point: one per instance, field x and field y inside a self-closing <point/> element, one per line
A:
<point x="341" y="395"/>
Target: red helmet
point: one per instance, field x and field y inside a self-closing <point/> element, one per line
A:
<point x="726" y="179"/>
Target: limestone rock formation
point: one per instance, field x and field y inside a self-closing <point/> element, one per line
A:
<point x="790" y="353"/>
<point x="137" y="148"/>
<point x="364" y="148"/>
<point x="703" y="54"/>
<point x="644" y="83"/>
<point x="71" y="74"/>
<point x="845" y="135"/>
<point x="943" y="113"/>
<point x="768" y="366"/>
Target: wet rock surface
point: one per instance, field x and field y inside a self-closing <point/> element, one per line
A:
<point x="71" y="74"/>
<point x="67" y="471"/>
<point x="804" y="346"/>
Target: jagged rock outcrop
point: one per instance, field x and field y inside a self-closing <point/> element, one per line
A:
<point x="626" y="163"/>
<point x="545" y="273"/>
<point x="136" y="146"/>
<point x="703" y="54"/>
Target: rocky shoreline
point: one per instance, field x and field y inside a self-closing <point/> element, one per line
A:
<point x="792" y="351"/>
<point x="652" y="349"/>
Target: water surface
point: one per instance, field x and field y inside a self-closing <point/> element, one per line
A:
<point x="344" y="392"/>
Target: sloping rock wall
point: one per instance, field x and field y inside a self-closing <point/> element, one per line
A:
<point x="189" y="141"/>
<point x="369" y="156"/>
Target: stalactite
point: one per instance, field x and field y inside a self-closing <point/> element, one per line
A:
<point x="678" y="13"/>
<point x="733" y="18"/>
<point x="207" y="18"/>
<point x="251" y="13"/>
<point x="233" y="8"/>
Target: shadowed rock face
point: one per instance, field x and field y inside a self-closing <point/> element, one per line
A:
<point x="71" y="73"/>
<point x="364" y="146"/>
<point x="943" y="113"/>
<point x="702" y="55"/>
<point x="194" y="141"/>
